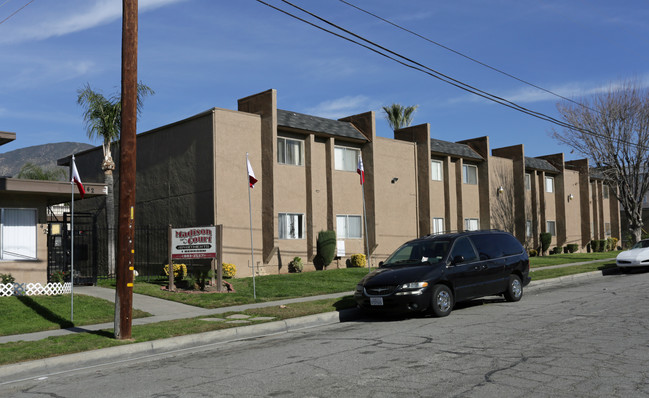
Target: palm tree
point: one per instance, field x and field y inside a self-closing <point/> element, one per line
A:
<point x="103" y="118"/>
<point x="31" y="171"/>
<point x="399" y="116"/>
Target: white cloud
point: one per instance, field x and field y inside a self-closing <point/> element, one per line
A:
<point x="342" y="107"/>
<point x="71" y="17"/>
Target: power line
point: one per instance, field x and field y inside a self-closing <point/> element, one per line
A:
<point x="409" y="63"/>
<point x="15" y="12"/>
<point x="463" y="55"/>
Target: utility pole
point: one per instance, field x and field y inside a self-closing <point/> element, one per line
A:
<point x="126" y="218"/>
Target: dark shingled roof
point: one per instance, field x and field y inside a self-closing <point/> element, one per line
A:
<point x="318" y="125"/>
<point x="539" y="164"/>
<point x="453" y="148"/>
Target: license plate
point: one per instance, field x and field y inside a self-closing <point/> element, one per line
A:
<point x="376" y="300"/>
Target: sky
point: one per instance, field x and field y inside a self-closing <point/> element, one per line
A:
<point x="200" y="54"/>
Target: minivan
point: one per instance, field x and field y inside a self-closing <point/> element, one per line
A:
<point x="435" y="272"/>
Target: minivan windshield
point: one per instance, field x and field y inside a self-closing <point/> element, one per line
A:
<point x="419" y="252"/>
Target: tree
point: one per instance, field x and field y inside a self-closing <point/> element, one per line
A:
<point x="399" y="116"/>
<point x="31" y="171"/>
<point x="102" y="117"/>
<point x="612" y="131"/>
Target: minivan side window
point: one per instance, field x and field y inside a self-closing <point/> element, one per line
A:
<point x="510" y="245"/>
<point x="463" y="247"/>
<point x="488" y="246"/>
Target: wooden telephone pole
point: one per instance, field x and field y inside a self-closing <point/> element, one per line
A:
<point x="126" y="218"/>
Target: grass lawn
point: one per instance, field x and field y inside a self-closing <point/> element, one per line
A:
<point x="27" y="314"/>
<point x="53" y="346"/>
<point x="268" y="287"/>
<point x="558" y="259"/>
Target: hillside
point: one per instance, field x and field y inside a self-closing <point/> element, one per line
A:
<point x="44" y="156"/>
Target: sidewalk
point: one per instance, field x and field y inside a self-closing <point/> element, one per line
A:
<point x="165" y="310"/>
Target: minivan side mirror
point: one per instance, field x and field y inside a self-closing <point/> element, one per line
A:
<point x="457" y="260"/>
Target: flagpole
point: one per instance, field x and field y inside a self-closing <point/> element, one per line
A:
<point x="72" y="246"/>
<point x="252" y="254"/>
<point x="367" y="245"/>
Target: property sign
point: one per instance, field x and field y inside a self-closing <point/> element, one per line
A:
<point x="195" y="242"/>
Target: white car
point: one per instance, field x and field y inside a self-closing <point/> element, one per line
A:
<point x="637" y="256"/>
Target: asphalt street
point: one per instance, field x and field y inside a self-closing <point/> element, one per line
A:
<point x="579" y="337"/>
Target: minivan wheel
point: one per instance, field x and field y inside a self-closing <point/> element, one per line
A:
<point x="441" y="301"/>
<point x="514" y="289"/>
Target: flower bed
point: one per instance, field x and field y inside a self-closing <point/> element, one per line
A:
<point x="34" y="289"/>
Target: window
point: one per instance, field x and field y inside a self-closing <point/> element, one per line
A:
<point x="436" y="168"/>
<point x="289" y="151"/>
<point x="471" y="224"/>
<point x="549" y="184"/>
<point x="528" y="228"/>
<point x="551" y="228"/>
<point x="469" y="174"/>
<point x="291" y="226"/>
<point x="18" y="234"/>
<point x="438" y="225"/>
<point x="528" y="182"/>
<point x="346" y="159"/>
<point x="463" y="247"/>
<point x="607" y="229"/>
<point x="349" y="227"/>
<point x="605" y="191"/>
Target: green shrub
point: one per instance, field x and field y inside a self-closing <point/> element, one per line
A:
<point x="295" y="265"/>
<point x="602" y="245"/>
<point x="356" y="261"/>
<point x="594" y="244"/>
<point x="325" y="249"/>
<point x="7" y="279"/>
<point x="572" y="247"/>
<point x="532" y="253"/>
<point x="565" y="249"/>
<point x="546" y="239"/>
<point x="59" y="277"/>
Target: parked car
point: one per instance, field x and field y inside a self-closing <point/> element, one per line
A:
<point x="637" y="256"/>
<point x="435" y="272"/>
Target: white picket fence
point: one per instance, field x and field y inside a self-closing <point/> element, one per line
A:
<point x="34" y="289"/>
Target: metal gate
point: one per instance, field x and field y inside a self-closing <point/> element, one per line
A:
<point x="58" y="246"/>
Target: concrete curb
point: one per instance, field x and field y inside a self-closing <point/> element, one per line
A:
<point x="131" y="352"/>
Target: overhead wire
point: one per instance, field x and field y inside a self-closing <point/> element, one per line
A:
<point x="15" y="12"/>
<point x="464" y="55"/>
<point x="409" y="63"/>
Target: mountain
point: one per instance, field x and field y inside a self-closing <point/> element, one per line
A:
<point x="44" y="156"/>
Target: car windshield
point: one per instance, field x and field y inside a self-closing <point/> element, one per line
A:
<point x="641" y="245"/>
<point x="419" y="252"/>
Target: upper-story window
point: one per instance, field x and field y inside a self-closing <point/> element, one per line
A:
<point x="549" y="184"/>
<point x="289" y="151"/>
<point x="605" y="191"/>
<point x="528" y="182"/>
<point x="346" y="159"/>
<point x="436" y="170"/>
<point x="469" y="174"/>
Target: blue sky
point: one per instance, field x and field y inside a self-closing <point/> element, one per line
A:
<point x="199" y="54"/>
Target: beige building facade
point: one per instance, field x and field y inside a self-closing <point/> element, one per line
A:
<point x="193" y="173"/>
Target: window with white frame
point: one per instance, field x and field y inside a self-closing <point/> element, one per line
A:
<point x="471" y="224"/>
<point x="528" y="182"/>
<point x="289" y="151"/>
<point x="346" y="159"/>
<point x="438" y="225"/>
<point x="607" y="229"/>
<point x="528" y="228"/>
<point x="469" y="174"/>
<point x="291" y="226"/>
<point x="349" y="226"/>
<point x="436" y="167"/>
<point x="551" y="228"/>
<point x="549" y="184"/>
<point x="18" y="234"/>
